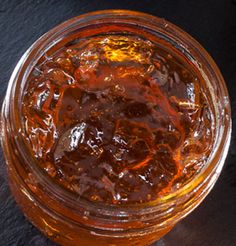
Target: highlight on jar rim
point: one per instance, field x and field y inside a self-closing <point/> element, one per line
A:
<point x="115" y="126"/>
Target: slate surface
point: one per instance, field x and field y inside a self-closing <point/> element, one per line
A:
<point x="211" y="22"/>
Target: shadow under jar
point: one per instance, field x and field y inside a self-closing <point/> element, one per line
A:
<point x="115" y="126"/>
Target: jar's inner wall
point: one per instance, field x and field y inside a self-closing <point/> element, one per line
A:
<point x="117" y="116"/>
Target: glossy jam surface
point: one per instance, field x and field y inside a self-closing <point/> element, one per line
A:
<point x="118" y="120"/>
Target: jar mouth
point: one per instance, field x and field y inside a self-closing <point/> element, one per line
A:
<point x="177" y="37"/>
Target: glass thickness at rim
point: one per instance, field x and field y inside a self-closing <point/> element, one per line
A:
<point x="156" y="26"/>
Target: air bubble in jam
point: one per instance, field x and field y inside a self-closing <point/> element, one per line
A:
<point x="118" y="120"/>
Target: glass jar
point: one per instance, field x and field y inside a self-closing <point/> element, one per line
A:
<point x="71" y="221"/>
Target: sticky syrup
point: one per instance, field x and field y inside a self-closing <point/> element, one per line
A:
<point x="118" y="120"/>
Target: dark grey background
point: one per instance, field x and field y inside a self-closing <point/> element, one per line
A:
<point x="211" y="22"/>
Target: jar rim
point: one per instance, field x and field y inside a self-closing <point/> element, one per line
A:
<point x="213" y="165"/>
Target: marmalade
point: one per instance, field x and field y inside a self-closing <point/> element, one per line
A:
<point x="117" y="119"/>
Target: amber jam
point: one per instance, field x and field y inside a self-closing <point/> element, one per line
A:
<point x="117" y="119"/>
<point x="115" y="126"/>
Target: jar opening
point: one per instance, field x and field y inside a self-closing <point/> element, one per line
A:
<point x="152" y="27"/>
